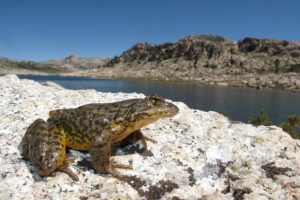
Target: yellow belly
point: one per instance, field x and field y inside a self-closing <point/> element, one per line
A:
<point x="77" y="143"/>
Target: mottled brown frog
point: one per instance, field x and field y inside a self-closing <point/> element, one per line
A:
<point x="94" y="128"/>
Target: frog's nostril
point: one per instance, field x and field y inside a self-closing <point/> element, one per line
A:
<point x="175" y="109"/>
<point x="172" y="109"/>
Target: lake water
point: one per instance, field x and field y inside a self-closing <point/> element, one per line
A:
<point x="236" y="103"/>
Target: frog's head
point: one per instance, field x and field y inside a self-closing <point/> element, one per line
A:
<point x="151" y="109"/>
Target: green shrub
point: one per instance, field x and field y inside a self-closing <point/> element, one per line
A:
<point x="260" y="119"/>
<point x="292" y="126"/>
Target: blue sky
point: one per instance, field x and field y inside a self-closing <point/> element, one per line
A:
<point x="48" y="29"/>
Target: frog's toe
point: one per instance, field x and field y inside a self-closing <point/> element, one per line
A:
<point x="65" y="168"/>
<point x="121" y="166"/>
<point x="117" y="165"/>
<point x="149" y="139"/>
<point x="116" y="174"/>
<point x="69" y="172"/>
<point x="114" y="165"/>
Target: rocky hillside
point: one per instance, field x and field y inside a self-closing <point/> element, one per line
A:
<point x="19" y="66"/>
<point x="74" y="62"/>
<point x="69" y="64"/>
<point x="198" y="155"/>
<point x="206" y="53"/>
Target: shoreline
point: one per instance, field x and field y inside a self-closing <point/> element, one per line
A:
<point x="284" y="82"/>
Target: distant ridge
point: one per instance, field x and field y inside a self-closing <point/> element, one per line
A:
<point x="69" y="64"/>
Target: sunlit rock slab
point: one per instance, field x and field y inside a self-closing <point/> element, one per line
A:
<point x="197" y="155"/>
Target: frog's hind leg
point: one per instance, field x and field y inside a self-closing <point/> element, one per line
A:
<point x="33" y="130"/>
<point x="44" y="144"/>
<point x="138" y="135"/>
<point x="101" y="158"/>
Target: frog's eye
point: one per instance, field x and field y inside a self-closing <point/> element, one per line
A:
<point x="155" y="100"/>
<point x="152" y="101"/>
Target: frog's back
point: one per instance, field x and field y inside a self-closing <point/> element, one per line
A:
<point x="82" y="124"/>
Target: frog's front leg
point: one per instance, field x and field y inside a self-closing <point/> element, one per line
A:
<point x="101" y="158"/>
<point x="138" y="135"/>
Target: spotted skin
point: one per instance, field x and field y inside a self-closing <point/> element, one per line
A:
<point x="93" y="128"/>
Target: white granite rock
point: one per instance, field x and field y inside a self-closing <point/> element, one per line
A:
<point x="197" y="155"/>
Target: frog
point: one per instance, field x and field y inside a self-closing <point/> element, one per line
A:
<point x="94" y="128"/>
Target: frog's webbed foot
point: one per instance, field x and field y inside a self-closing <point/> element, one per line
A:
<point x="65" y="168"/>
<point x="138" y="135"/>
<point x="113" y="165"/>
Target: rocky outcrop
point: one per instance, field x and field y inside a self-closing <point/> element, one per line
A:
<point x="214" y="54"/>
<point x="214" y="60"/>
<point x="198" y="155"/>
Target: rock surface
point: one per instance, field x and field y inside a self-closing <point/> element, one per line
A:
<point x="197" y="155"/>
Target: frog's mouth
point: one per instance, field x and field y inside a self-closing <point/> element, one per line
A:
<point x="163" y="111"/>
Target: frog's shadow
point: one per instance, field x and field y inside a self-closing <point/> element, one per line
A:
<point x="124" y="147"/>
